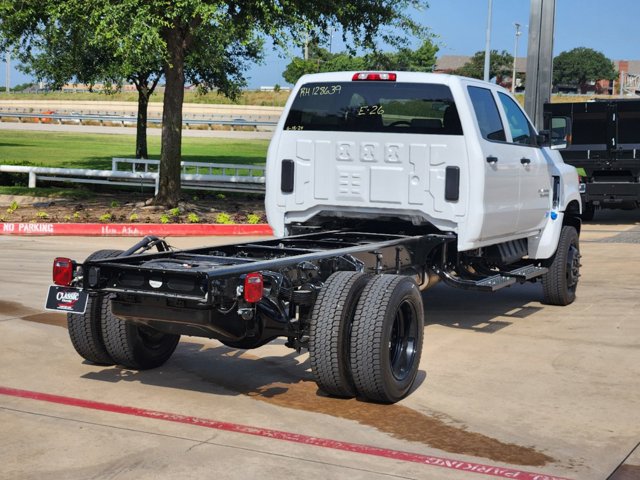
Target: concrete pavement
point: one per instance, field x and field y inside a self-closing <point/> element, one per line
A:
<point x="505" y="382"/>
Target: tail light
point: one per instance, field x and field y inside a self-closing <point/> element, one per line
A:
<point x="253" y="287"/>
<point x="380" y="76"/>
<point x="63" y="271"/>
<point x="582" y="185"/>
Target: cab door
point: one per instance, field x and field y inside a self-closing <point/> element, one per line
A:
<point x="501" y="164"/>
<point x="534" y="175"/>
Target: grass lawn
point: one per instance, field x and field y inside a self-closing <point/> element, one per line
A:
<point x="68" y="150"/>
<point x="248" y="97"/>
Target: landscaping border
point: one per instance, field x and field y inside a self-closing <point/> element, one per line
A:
<point x="132" y="229"/>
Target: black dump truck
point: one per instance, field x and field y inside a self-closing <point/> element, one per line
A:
<point x="602" y="140"/>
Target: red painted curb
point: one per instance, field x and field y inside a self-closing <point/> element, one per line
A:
<point x="132" y="229"/>
<point x="448" y="463"/>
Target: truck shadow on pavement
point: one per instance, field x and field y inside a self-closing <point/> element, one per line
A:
<point x="614" y="217"/>
<point x="209" y="367"/>
<point x="285" y="381"/>
<point x="479" y="311"/>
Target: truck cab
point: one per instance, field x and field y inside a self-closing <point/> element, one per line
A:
<point x="438" y="151"/>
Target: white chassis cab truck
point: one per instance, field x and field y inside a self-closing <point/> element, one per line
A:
<point x="379" y="184"/>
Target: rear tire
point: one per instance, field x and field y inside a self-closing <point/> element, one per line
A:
<point x="588" y="211"/>
<point x="134" y="346"/>
<point x="386" y="338"/>
<point x="85" y="330"/>
<point x="559" y="284"/>
<point x="330" y="331"/>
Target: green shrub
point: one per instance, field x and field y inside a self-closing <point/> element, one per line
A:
<point x="42" y="215"/>
<point x="133" y="217"/>
<point x="193" y="218"/>
<point x="252" y="219"/>
<point x="105" y="217"/>
<point x="13" y="207"/>
<point x="164" y="219"/>
<point x="223" y="218"/>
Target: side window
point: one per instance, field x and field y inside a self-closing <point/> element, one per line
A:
<point x="487" y="114"/>
<point x="560" y="130"/>
<point x="521" y="131"/>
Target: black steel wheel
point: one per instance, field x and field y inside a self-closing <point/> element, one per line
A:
<point x="559" y="284"/>
<point x="135" y="346"/>
<point x="386" y="338"/>
<point x="330" y="331"/>
<point x="85" y="330"/>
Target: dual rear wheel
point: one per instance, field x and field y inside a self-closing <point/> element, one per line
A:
<point x="101" y="338"/>
<point x="366" y="336"/>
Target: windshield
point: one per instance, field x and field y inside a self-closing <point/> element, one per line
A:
<point x="362" y="106"/>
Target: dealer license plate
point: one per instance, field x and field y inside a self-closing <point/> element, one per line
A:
<point x="66" y="299"/>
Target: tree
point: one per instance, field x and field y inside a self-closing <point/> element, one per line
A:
<point x="321" y="60"/>
<point x="423" y="59"/>
<point x="500" y="65"/>
<point x="582" y="65"/>
<point x="58" y="45"/>
<point x="189" y="26"/>
<point x="130" y="39"/>
<point x="209" y="42"/>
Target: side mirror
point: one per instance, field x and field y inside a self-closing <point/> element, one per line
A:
<point x="543" y="138"/>
<point x="549" y="138"/>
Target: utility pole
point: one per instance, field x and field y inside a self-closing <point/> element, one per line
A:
<point x="539" y="58"/>
<point x="487" y="45"/>
<point x="515" y="58"/>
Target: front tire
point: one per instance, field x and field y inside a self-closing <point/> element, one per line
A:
<point x="330" y="331"/>
<point x="386" y="338"/>
<point x="85" y="330"/>
<point x="559" y="284"/>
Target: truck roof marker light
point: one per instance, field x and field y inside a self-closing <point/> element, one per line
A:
<point x="379" y="76"/>
<point x="253" y="287"/>
<point x="63" y="271"/>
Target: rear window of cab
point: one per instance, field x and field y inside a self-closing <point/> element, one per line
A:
<point x="374" y="106"/>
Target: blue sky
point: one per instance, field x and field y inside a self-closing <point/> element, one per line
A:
<point x="460" y="25"/>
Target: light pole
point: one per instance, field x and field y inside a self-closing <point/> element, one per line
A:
<point x="487" y="45"/>
<point x="8" y="77"/>
<point x="515" y="58"/>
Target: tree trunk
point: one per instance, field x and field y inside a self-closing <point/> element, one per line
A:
<point x="170" y="154"/>
<point x="141" y="125"/>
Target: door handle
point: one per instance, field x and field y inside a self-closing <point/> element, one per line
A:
<point x="525" y="161"/>
<point x="491" y="160"/>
